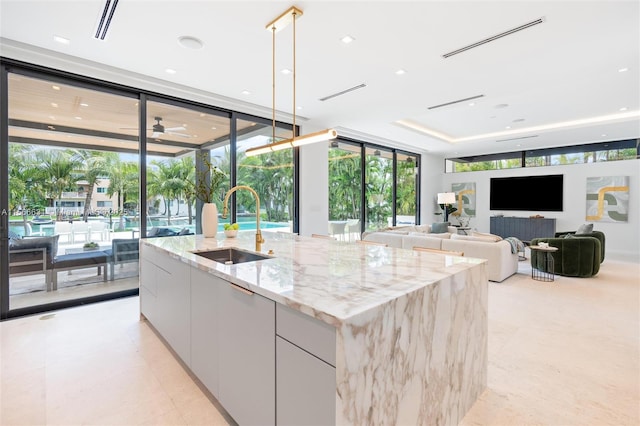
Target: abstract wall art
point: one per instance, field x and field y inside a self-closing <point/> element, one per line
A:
<point x="608" y="199"/>
<point x="465" y="198"/>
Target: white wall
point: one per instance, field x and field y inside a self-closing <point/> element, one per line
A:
<point x="622" y="239"/>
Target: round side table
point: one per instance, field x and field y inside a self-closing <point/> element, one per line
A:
<point x="547" y="274"/>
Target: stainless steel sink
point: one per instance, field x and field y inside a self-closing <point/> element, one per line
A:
<point x="230" y="256"/>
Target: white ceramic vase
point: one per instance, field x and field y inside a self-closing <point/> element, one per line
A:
<point x="209" y="220"/>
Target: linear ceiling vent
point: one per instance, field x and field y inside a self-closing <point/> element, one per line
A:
<point x="495" y="37"/>
<point x="517" y="139"/>
<point x="455" y="102"/>
<point x="105" y="19"/>
<point x="351" y="89"/>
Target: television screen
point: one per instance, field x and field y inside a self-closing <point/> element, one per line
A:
<point x="528" y="193"/>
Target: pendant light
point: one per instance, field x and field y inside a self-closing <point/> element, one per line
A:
<point x="289" y="16"/>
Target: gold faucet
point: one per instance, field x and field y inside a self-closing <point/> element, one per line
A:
<point x="225" y="211"/>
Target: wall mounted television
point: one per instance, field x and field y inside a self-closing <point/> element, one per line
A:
<point x="527" y="193"/>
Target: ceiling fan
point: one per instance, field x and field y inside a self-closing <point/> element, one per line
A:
<point x="159" y="129"/>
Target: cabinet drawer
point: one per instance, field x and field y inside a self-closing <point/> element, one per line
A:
<point x="308" y="333"/>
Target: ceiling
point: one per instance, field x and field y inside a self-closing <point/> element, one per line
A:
<point x="556" y="83"/>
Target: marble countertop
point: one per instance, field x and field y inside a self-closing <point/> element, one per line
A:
<point x="326" y="279"/>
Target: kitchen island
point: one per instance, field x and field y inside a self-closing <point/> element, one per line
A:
<point x="322" y="331"/>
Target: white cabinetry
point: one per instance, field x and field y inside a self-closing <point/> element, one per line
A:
<point x="306" y="392"/>
<point x="170" y="312"/>
<point x="247" y="356"/>
<point x="204" y="328"/>
<point x="305" y="369"/>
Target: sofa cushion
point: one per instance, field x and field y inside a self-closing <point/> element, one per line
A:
<point x="48" y="243"/>
<point x="398" y="231"/>
<point x="474" y="238"/>
<point x="587" y="228"/>
<point x="426" y="241"/>
<point x="422" y="234"/>
<point x="440" y="227"/>
<point x="486" y="235"/>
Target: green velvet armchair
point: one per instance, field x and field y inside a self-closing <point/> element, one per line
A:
<point x="578" y="256"/>
<point x="595" y="234"/>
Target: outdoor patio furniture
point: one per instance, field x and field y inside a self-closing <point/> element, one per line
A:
<point x="32" y="256"/>
<point x="86" y="259"/>
<point x="64" y="229"/>
<point x="123" y="250"/>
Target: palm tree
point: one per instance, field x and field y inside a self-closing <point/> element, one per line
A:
<point x="59" y="171"/>
<point x="187" y="173"/>
<point x="93" y="166"/>
<point x="124" y="178"/>
<point x="165" y="180"/>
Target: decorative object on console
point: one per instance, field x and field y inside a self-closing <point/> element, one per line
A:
<point x="289" y="16"/>
<point x="445" y="201"/>
<point x="465" y="199"/>
<point x="608" y="199"/>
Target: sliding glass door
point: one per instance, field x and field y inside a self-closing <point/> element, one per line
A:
<point x="72" y="173"/>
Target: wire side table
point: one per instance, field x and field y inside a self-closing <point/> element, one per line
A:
<point x="547" y="274"/>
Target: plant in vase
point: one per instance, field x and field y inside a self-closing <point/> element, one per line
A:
<point x="207" y="193"/>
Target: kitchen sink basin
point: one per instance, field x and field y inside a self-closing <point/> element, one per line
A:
<point x="230" y="256"/>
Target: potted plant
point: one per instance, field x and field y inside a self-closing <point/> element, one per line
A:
<point x="90" y="246"/>
<point x="207" y="193"/>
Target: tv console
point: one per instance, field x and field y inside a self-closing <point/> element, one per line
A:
<point x="523" y="228"/>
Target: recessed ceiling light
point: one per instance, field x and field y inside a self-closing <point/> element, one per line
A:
<point x="78" y="118"/>
<point x="286" y="71"/>
<point x="61" y="40"/>
<point x="347" y="39"/>
<point x="202" y="114"/>
<point x="55" y="87"/>
<point x="170" y="71"/>
<point x="299" y="107"/>
<point x="502" y="106"/>
<point x="51" y="117"/>
<point x="246" y="92"/>
<point x="214" y="128"/>
<point x="53" y="104"/>
<point x="472" y="103"/>
<point x="401" y="72"/>
<point x="519" y="144"/>
<point x="507" y="127"/>
<point x="84" y="104"/>
<point x="190" y="42"/>
<point x="623" y="69"/>
<point x="603" y="135"/>
<point x="623" y="109"/>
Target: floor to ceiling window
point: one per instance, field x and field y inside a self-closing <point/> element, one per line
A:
<point x="345" y="190"/>
<point x="72" y="176"/>
<point x="406" y="189"/>
<point x="180" y="136"/>
<point x="383" y="180"/>
<point x="271" y="175"/>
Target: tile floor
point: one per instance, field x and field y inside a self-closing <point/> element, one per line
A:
<point x="562" y="353"/>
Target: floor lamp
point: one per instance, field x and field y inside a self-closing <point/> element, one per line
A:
<point x="446" y="199"/>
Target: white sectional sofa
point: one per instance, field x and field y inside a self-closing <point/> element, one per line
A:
<point x="502" y="263"/>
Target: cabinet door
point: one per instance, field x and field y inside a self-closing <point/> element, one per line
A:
<point x="174" y="304"/>
<point x="247" y="356"/>
<point x="148" y="281"/>
<point x="204" y="328"/>
<point x="306" y="387"/>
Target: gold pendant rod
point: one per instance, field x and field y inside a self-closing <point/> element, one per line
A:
<point x="293" y="131"/>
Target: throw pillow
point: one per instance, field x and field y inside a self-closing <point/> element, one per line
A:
<point x="587" y="228"/>
<point x="568" y="236"/>
<point x="440" y="227"/>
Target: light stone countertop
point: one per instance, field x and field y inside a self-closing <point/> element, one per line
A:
<point x="329" y="280"/>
